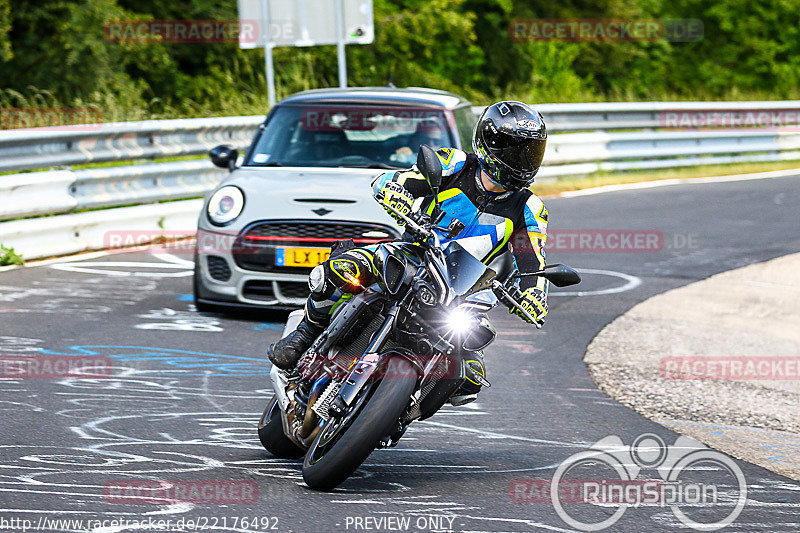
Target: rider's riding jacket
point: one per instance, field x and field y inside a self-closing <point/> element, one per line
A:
<point x="494" y="222"/>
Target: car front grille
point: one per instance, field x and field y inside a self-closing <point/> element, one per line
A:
<point x="218" y="268"/>
<point x="255" y="248"/>
<point x="264" y="290"/>
<point x="258" y="290"/>
<point x="293" y="289"/>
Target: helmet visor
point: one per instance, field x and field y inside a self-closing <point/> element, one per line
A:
<point x="521" y="154"/>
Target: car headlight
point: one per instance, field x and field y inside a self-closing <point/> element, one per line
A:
<point x="225" y="205"/>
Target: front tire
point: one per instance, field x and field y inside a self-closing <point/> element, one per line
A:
<point x="270" y="432"/>
<point x="326" y="467"/>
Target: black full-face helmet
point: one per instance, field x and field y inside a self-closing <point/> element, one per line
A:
<point x="509" y="140"/>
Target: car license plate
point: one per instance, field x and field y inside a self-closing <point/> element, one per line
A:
<point x="300" y="257"/>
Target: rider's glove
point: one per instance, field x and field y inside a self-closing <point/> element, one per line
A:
<point x="534" y="301"/>
<point x="395" y="195"/>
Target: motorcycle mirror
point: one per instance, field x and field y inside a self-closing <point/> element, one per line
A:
<point x="430" y="166"/>
<point x="557" y="274"/>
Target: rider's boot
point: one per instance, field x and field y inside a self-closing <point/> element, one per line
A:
<point x="476" y="377"/>
<point x="287" y="352"/>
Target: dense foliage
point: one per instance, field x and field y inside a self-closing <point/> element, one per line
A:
<point x="54" y="52"/>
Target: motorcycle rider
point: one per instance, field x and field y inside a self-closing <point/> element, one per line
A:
<point x="486" y="191"/>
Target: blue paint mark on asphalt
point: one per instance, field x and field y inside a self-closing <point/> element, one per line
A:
<point x="210" y="363"/>
<point x="269" y="326"/>
<point x="186" y="297"/>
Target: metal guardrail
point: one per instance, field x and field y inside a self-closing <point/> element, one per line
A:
<point x="584" y="153"/>
<point x="64" y="191"/>
<point x="653" y="115"/>
<point x="600" y="145"/>
<point x="120" y="141"/>
<point x="68" y="234"/>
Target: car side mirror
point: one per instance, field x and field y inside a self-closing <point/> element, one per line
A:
<point x="430" y="166"/>
<point x="224" y="156"/>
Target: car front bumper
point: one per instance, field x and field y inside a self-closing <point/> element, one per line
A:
<point x="231" y="271"/>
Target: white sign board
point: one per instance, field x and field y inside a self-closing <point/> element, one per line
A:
<point x="305" y="22"/>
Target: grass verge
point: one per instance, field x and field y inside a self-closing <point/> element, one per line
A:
<point x="9" y="257"/>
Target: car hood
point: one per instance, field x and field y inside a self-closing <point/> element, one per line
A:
<point x="311" y="193"/>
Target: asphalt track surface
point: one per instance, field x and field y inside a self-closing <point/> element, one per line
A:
<point x="187" y="389"/>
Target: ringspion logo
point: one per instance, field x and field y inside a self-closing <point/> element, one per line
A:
<point x="703" y="488"/>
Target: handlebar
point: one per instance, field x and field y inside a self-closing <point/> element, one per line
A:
<point x="420" y="231"/>
<point x="505" y="296"/>
<point x="427" y="234"/>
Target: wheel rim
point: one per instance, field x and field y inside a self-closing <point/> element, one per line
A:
<point x="266" y="416"/>
<point x="331" y="433"/>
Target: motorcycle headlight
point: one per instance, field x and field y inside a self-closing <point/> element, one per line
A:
<point x="225" y="205"/>
<point x="474" y="332"/>
<point x="460" y="321"/>
<point x="482" y="335"/>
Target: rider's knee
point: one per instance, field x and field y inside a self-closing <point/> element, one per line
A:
<point x="349" y="272"/>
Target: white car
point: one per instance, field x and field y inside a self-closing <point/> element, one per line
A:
<point x="305" y="183"/>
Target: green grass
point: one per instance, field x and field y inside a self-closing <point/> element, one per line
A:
<point x="9" y="257"/>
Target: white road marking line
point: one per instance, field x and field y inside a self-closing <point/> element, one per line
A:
<point x="67" y="259"/>
<point x="495" y="435"/>
<point x="170" y="258"/>
<point x="681" y="181"/>
<point x="631" y="283"/>
<point x="82" y="267"/>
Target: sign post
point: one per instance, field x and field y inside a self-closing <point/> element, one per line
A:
<point x="305" y="23"/>
<point x="340" y="53"/>
<point x="269" y="67"/>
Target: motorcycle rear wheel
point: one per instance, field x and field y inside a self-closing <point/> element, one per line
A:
<point x="326" y="466"/>
<point x="270" y="432"/>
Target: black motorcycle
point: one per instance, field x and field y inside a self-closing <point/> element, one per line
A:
<point x="392" y="354"/>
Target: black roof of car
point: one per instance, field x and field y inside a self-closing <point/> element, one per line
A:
<point x="384" y="96"/>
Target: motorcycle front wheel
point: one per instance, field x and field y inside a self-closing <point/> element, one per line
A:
<point x="342" y="445"/>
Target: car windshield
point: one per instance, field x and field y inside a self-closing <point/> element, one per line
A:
<point x="348" y="136"/>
